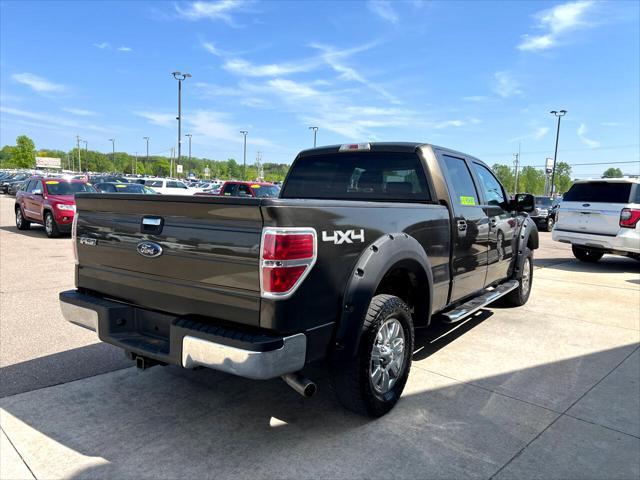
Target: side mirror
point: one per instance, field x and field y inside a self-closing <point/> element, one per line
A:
<point x="37" y="192"/>
<point x="524" y="202"/>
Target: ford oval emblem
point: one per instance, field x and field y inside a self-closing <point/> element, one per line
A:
<point x="149" y="249"/>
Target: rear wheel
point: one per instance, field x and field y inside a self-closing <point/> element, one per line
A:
<point x="520" y="295"/>
<point x="21" y="222"/>
<point x="586" y="254"/>
<point x="50" y="226"/>
<point x="372" y="382"/>
<point x="550" y="223"/>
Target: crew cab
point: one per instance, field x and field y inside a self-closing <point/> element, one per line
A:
<point x="50" y="202"/>
<point x="365" y="242"/>
<point x="600" y="216"/>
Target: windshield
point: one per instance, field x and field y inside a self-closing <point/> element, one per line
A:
<point x="153" y="183"/>
<point x="265" y="191"/>
<point x="373" y="176"/>
<point x="543" y="201"/>
<point x="54" y="187"/>
<point x="599" y="192"/>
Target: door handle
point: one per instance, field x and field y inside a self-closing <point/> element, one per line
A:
<point x="462" y="225"/>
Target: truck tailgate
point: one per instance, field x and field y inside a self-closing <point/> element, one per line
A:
<point x="209" y="264"/>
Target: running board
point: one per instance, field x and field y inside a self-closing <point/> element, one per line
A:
<point x="463" y="311"/>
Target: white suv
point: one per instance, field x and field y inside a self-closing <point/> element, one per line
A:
<point x="600" y="216"/>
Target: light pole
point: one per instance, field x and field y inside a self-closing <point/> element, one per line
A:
<point x="315" y="131"/>
<point x="559" y="114"/>
<point x="180" y="77"/>
<point x="113" y="151"/>
<point x="189" y="135"/>
<point x="244" y="162"/>
<point x="147" y="139"/>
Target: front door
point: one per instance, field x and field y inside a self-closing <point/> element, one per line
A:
<point x="502" y="224"/>
<point x="470" y="229"/>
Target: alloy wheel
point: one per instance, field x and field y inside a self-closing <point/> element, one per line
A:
<point x="387" y="356"/>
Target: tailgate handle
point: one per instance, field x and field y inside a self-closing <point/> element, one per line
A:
<point x="152" y="225"/>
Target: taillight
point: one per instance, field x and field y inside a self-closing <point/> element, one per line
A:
<point x="287" y="255"/>
<point x="74" y="237"/>
<point x="629" y="217"/>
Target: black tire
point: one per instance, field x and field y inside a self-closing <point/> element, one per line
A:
<point x="520" y="296"/>
<point x="352" y="381"/>
<point x="21" y="222"/>
<point x="50" y="225"/>
<point x="588" y="255"/>
<point x="550" y="223"/>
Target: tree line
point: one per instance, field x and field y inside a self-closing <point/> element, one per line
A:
<point x="23" y="155"/>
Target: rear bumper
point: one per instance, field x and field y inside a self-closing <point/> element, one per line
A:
<point x="626" y="241"/>
<point x="184" y="342"/>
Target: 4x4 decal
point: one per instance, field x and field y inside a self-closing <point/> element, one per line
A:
<point x="338" y="237"/>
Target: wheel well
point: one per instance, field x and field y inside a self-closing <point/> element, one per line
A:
<point x="408" y="281"/>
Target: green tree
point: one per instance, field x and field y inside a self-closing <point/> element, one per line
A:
<point x="506" y="176"/>
<point x="531" y="180"/>
<point x="612" y="172"/>
<point x="24" y="153"/>
<point x="563" y="177"/>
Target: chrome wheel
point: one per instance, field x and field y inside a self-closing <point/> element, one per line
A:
<point x="48" y="224"/>
<point x="550" y="224"/>
<point x="387" y="356"/>
<point x="526" y="277"/>
<point x="19" y="218"/>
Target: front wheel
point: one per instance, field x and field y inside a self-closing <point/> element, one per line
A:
<point x="550" y="223"/>
<point x="372" y="382"/>
<point x="519" y="296"/>
<point x="50" y="226"/>
<point x="586" y="254"/>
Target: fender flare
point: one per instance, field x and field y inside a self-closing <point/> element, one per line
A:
<point x="388" y="251"/>
<point x="528" y="230"/>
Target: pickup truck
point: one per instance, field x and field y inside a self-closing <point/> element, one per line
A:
<point x="365" y="242"/>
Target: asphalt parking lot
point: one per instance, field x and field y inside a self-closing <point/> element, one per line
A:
<point x="549" y="390"/>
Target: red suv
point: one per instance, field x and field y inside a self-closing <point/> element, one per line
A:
<point x="49" y="202"/>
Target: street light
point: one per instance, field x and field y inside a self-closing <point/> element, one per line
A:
<point x="147" y="139"/>
<point x="559" y="114"/>
<point x="315" y="131"/>
<point x="244" y="162"/>
<point x="189" y="168"/>
<point x="113" y="151"/>
<point x="180" y="77"/>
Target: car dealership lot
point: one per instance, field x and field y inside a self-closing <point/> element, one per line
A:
<point x="548" y="390"/>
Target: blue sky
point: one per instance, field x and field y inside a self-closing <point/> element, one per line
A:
<point x="476" y="76"/>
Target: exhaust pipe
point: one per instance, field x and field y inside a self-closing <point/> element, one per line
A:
<point x="300" y="384"/>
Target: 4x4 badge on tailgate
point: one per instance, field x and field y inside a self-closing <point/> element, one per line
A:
<point x="149" y="249"/>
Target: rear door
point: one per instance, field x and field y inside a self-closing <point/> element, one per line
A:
<point x="470" y="228"/>
<point x="34" y="200"/>
<point x="229" y="189"/>
<point x="594" y="207"/>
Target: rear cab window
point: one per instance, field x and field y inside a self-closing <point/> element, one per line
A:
<point x="599" y="192"/>
<point x="366" y="176"/>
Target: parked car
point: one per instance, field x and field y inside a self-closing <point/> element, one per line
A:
<point x="168" y="186"/>
<point x="50" y="202"/>
<point x="124" y="188"/>
<point x="16" y="178"/>
<point x="249" y="189"/>
<point x="93" y="179"/>
<point x="600" y="216"/>
<point x="543" y="213"/>
<point x="365" y="241"/>
<point x="13" y="187"/>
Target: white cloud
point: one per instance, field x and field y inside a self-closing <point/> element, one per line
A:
<point x="79" y="111"/>
<point x="124" y="49"/>
<point x="289" y="87"/>
<point x="537" y="134"/>
<point x="556" y="22"/>
<point x="212" y="128"/>
<point x="212" y="49"/>
<point x="158" y="118"/>
<point x="449" y="123"/>
<point x="582" y="131"/>
<point x="476" y="98"/>
<point x="54" y="121"/>
<point x="244" y="68"/>
<point x="39" y="84"/>
<point x="102" y="45"/>
<point x="384" y="10"/>
<point x="220" y="10"/>
<point x="506" y="85"/>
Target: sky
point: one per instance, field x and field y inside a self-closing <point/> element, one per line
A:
<point x="479" y="77"/>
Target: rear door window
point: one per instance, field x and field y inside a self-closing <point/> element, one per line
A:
<point x="463" y="190"/>
<point x="369" y="176"/>
<point x="229" y="189"/>
<point x="599" y="192"/>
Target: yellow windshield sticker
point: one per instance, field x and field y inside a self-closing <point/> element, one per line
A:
<point x="120" y="185"/>
<point x="467" y="200"/>
<point x="52" y="182"/>
<point x="255" y="186"/>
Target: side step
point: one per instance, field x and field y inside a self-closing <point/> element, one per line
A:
<point x="463" y="311"/>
